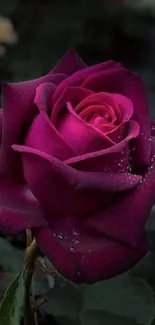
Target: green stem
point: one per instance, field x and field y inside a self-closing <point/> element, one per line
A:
<point x="29" y="266"/>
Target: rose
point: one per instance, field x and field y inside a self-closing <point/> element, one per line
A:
<point x="77" y="165"/>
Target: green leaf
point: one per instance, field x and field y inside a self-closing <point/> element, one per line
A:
<point x="11" y="258"/>
<point x="123" y="296"/>
<point x="13" y="302"/>
<point x="98" y="317"/>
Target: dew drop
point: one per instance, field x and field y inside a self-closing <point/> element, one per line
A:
<point x="60" y="236"/>
<point x="75" y="233"/>
<point x="72" y="249"/>
<point x="75" y="241"/>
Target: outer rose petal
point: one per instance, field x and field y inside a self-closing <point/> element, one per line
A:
<point x="43" y="96"/>
<point x="101" y="259"/>
<point x="18" y="110"/>
<point x="95" y="248"/>
<point x="52" y="182"/>
<point x="131" y="211"/>
<point x="43" y="136"/>
<point x="77" y="78"/>
<point x="19" y="209"/>
<point x="69" y="63"/>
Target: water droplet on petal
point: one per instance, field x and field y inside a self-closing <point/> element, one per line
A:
<point x="72" y="249"/>
<point x="75" y="241"/>
<point x="75" y="233"/>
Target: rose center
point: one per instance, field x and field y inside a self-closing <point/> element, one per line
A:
<point x="98" y="115"/>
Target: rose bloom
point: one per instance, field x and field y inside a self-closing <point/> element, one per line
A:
<point x="77" y="166"/>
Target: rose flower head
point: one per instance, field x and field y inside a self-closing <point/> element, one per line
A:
<point x="77" y="166"/>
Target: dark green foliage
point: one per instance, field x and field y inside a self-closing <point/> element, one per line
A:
<point x="12" y="305"/>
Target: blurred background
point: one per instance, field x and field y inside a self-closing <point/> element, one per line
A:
<point x="34" y="34"/>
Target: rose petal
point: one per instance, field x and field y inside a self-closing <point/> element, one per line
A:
<point x="70" y="94"/>
<point x="43" y="97"/>
<point x="69" y="63"/>
<point x="90" y="158"/>
<point x="77" y="78"/>
<point x="81" y="136"/>
<point x="121" y="105"/>
<point x="131" y="86"/>
<point x="117" y="162"/>
<point x="106" y="128"/>
<point x="18" y="109"/>
<point x="131" y="211"/>
<point x="125" y="106"/>
<point x="52" y="182"/>
<point x="93" y="258"/>
<point x="96" y="115"/>
<point x="19" y="209"/>
<point x="43" y="136"/>
<point x="59" y="256"/>
<point x="96" y="247"/>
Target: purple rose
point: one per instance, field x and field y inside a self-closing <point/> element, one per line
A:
<point x="77" y="166"/>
